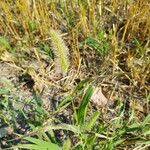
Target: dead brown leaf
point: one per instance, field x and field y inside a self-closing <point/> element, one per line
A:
<point x="98" y="98"/>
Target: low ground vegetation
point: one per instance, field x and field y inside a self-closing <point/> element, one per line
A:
<point x="74" y="75"/>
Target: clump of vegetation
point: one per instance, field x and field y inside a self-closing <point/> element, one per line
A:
<point x="106" y="46"/>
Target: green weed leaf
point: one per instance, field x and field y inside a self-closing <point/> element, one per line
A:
<point x="83" y="106"/>
<point x="91" y="122"/>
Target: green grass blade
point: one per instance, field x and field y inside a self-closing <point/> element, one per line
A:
<point x="29" y="146"/>
<point x="91" y="122"/>
<point x="83" y="106"/>
<point x="80" y="85"/>
<point x="143" y="142"/>
<point x="146" y="120"/>
<point x="42" y="144"/>
<point x="67" y="144"/>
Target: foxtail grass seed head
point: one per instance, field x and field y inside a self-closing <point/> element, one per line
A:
<point x="61" y="52"/>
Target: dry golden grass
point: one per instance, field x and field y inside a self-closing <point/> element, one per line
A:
<point x="29" y="22"/>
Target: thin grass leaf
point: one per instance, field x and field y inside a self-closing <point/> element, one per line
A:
<point x="65" y="101"/>
<point x="80" y="85"/>
<point x="36" y="141"/>
<point x="62" y="126"/>
<point x="90" y="141"/>
<point x="50" y="126"/>
<point x="118" y="142"/>
<point x="133" y="127"/>
<point x="30" y="146"/>
<point x="83" y="106"/>
<point x="45" y="137"/>
<point x="143" y="142"/>
<point x="91" y="122"/>
<point x="41" y="144"/>
<point x="52" y="135"/>
<point x="146" y="120"/>
<point x="67" y="144"/>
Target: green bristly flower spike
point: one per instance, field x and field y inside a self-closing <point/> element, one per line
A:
<point x="61" y="52"/>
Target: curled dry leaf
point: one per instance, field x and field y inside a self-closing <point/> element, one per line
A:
<point x="98" y="98"/>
